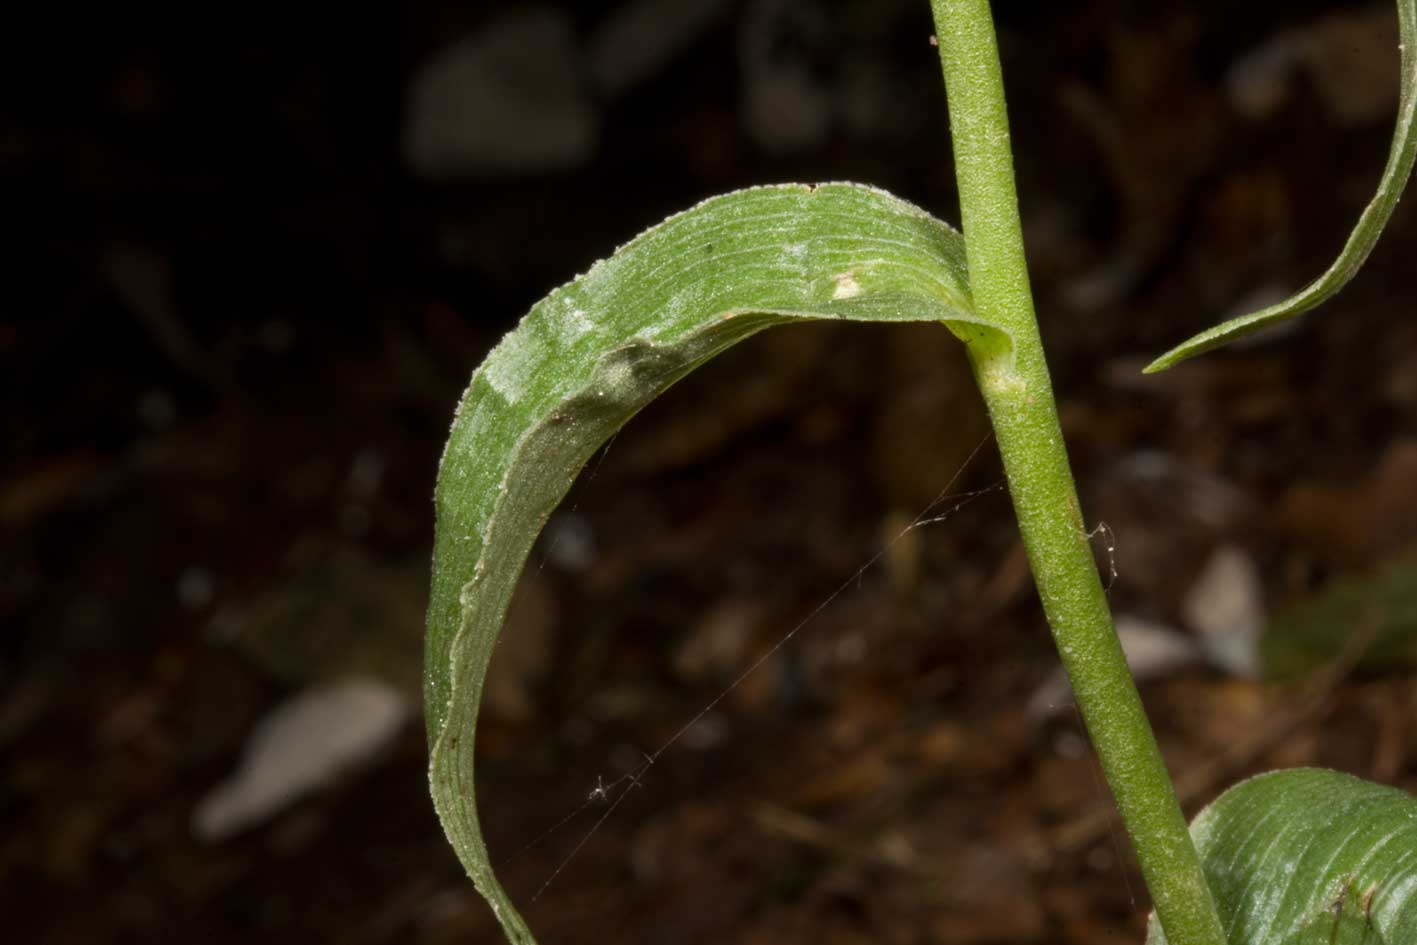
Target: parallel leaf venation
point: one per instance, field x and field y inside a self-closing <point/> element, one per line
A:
<point x="593" y="353"/>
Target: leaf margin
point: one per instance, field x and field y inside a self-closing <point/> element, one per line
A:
<point x="1361" y="240"/>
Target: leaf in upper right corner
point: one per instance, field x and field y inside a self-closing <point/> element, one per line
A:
<point x="1310" y="857"/>
<point x="1365" y="233"/>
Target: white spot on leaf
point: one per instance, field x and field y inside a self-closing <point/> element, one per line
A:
<point x="846" y="286"/>
<point x="511" y="363"/>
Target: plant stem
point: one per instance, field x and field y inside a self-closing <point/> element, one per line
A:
<point x="1019" y="395"/>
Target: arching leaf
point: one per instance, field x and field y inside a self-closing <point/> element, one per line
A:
<point x="597" y="350"/>
<point x="1360" y="241"/>
<point x="1310" y="857"/>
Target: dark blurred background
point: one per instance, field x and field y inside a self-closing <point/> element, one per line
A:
<point x="254" y="258"/>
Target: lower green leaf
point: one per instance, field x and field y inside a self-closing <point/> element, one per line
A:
<point x="597" y="350"/>
<point x="1310" y="857"/>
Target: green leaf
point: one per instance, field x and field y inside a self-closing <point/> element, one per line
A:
<point x="1382" y="607"/>
<point x="1365" y="234"/>
<point x="597" y="350"/>
<point x="1310" y="857"/>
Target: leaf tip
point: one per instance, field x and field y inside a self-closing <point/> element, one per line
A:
<point x="1160" y="364"/>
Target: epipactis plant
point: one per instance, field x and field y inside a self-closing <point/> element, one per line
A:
<point x="1288" y="858"/>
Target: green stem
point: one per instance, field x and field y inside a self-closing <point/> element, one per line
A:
<point x="1017" y="389"/>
